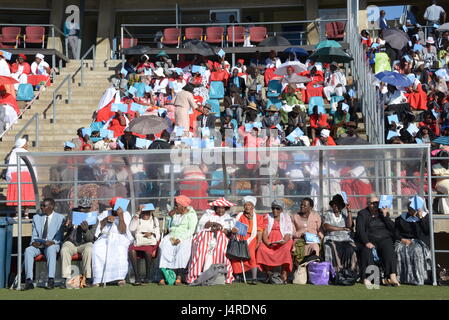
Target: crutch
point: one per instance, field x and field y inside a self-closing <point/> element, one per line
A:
<point x="105" y="261"/>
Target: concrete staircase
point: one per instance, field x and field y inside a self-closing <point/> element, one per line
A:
<point x="69" y="117"/>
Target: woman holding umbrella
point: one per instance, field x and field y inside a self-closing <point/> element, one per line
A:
<point x="183" y="102"/>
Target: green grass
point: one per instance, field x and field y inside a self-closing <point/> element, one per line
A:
<point x="233" y="292"/>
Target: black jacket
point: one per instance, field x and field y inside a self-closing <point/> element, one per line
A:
<point x="242" y="85"/>
<point x="364" y="231"/>
<point x="210" y="121"/>
<point x="412" y="230"/>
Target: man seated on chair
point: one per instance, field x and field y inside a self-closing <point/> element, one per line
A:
<point x="206" y="119"/>
<point x="78" y="239"/>
<point x="39" y="66"/>
<point x="46" y="238"/>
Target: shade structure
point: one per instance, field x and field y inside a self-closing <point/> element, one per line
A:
<point x="331" y="54"/>
<point x="137" y="50"/>
<point x="442" y="140"/>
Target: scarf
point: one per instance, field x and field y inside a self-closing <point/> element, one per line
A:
<point x="254" y="228"/>
<point x="412" y="218"/>
<point x="284" y="221"/>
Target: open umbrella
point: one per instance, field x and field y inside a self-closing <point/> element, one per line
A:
<point x="444" y="27"/>
<point x="397" y="39"/>
<point x="4" y="80"/>
<point x="137" y="50"/>
<point x="296" y="65"/>
<point x="393" y="78"/>
<point x="328" y="44"/>
<point x="297" y="51"/>
<point x="330" y="54"/>
<point x="442" y="140"/>
<point x="275" y="41"/>
<point x="294" y="78"/>
<point x="147" y="125"/>
<point x="199" y="47"/>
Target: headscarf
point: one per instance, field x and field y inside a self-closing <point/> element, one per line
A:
<point x="20" y="143"/>
<point x="113" y="201"/>
<point x="183" y="200"/>
<point x="251" y="199"/>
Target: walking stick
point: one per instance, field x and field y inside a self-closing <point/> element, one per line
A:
<point x="105" y="260"/>
<point x="243" y="271"/>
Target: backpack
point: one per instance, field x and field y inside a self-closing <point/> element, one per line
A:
<point x="25" y="92"/>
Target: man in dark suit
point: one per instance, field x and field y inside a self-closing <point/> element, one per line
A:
<point x="48" y="229"/>
<point x="234" y="105"/>
<point x="236" y="81"/>
<point x="206" y="119"/>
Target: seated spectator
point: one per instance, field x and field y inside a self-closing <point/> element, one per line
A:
<point x="118" y="124"/>
<point x="306" y="220"/>
<point x="39" y="66"/>
<point x="78" y="239"/>
<point x="206" y="119"/>
<point x="234" y="105"/>
<point x="339" y="119"/>
<point x="110" y="250"/>
<point x="441" y="168"/>
<point x="271" y="118"/>
<point x="145" y="229"/>
<point x="318" y="121"/>
<point x="20" y="69"/>
<point x="374" y="239"/>
<point x="47" y="233"/>
<point x="430" y="122"/>
<point x="297" y="118"/>
<point x="210" y="243"/>
<point x="339" y="247"/>
<point x="175" y="247"/>
<point x="253" y="237"/>
<point x="256" y="97"/>
<point x="235" y="81"/>
<point x="335" y="83"/>
<point x="273" y="59"/>
<point x="416" y="96"/>
<point x="275" y="249"/>
<point x="8" y="99"/>
<point x="255" y="79"/>
<point x="412" y="243"/>
<point x="324" y="139"/>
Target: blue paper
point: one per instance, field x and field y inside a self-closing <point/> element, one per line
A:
<point x="143" y="143"/>
<point x="257" y="124"/>
<point x="132" y="90"/>
<point x="242" y="228"/>
<point x="90" y="217"/>
<point x="221" y="53"/>
<point x="90" y="161"/>
<point x="416" y="203"/>
<point x="69" y="144"/>
<point x="393" y="117"/>
<point x="7" y="55"/>
<point x="87" y="131"/>
<point x="279" y="127"/>
<point x="205" y="131"/>
<point x="311" y="238"/>
<point x="148" y="207"/>
<point x="179" y="131"/>
<point x="120" y="144"/>
<point x="419" y="141"/>
<point x="392" y="134"/>
<point x="412" y="129"/>
<point x="147" y="72"/>
<point x="121" y="203"/>
<point x="138" y="108"/>
<point x="196" y="69"/>
<point x="417" y="47"/>
<point x="248" y="127"/>
<point x="345" y="197"/>
<point x="105" y="133"/>
<point x="344" y="107"/>
<point x="148" y="89"/>
<point x="161" y="111"/>
<point x="124" y="72"/>
<point x="436" y="25"/>
<point x="404" y="27"/>
<point x="258" y="87"/>
<point x="297" y="133"/>
<point x="351" y="93"/>
<point x="386" y="201"/>
<point x="119" y="107"/>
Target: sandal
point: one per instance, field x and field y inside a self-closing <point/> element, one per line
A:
<point x="121" y="283"/>
<point x="178" y="282"/>
<point x="162" y="283"/>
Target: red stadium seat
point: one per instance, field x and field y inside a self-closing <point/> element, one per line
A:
<point x="214" y="35"/>
<point x="335" y="30"/>
<point x="42" y="258"/>
<point x="239" y="34"/>
<point x="193" y="34"/>
<point x="129" y="42"/>
<point x="171" y="36"/>
<point x="11" y="35"/>
<point x="34" y="35"/>
<point x="257" y="34"/>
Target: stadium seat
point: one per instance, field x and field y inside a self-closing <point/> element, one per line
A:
<point x="214" y="35"/>
<point x="335" y="30"/>
<point x="11" y="35"/>
<point x="193" y="34"/>
<point x="216" y="90"/>
<point x="129" y="42"/>
<point x="274" y="101"/>
<point x="171" y="36"/>
<point x="239" y="35"/>
<point x="274" y="88"/>
<point x="34" y="35"/>
<point x="316" y="101"/>
<point x="215" y="104"/>
<point x="257" y="34"/>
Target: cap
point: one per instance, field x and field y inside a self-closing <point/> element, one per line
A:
<point x="85" y="202"/>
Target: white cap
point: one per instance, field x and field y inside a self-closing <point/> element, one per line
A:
<point x="159" y="72"/>
<point x="430" y="40"/>
<point x="251" y="199"/>
<point x="40" y="56"/>
<point x="325" y="133"/>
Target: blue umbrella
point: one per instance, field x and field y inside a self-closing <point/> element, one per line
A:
<point x="393" y="78"/>
<point x="297" y="51"/>
<point x="442" y="140"/>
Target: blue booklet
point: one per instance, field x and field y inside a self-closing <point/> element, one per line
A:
<point x="345" y="197"/>
<point x="297" y="133"/>
<point x="416" y="203"/>
<point x="221" y="53"/>
<point x="148" y="89"/>
<point x="248" y="127"/>
<point x="412" y="129"/>
<point x="121" y="203"/>
<point x="312" y="238"/>
<point x="106" y="133"/>
<point x="119" y="106"/>
<point x="132" y="90"/>
<point x="386" y="201"/>
<point x="393" y="117"/>
<point x="161" y="111"/>
<point x="7" y="55"/>
<point x="87" y="131"/>
<point x="142" y="143"/>
<point x="138" y="108"/>
<point x="392" y="134"/>
<point x="242" y="228"/>
<point x="124" y="72"/>
<point x="89" y="217"/>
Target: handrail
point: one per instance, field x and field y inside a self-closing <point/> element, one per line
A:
<point x="36" y="118"/>
<point x="92" y="48"/>
<point x="69" y="94"/>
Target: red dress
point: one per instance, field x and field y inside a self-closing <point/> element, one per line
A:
<point x="9" y="99"/>
<point x="27" y="190"/>
<point x="117" y="128"/>
<point x="278" y="255"/>
<point x="252" y="262"/>
<point x="417" y="100"/>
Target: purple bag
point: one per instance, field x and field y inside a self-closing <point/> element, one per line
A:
<point x="320" y="272"/>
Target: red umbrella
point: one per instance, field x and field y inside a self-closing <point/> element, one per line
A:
<point x="7" y="80"/>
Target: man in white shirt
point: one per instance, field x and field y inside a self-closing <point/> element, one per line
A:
<point x="39" y="66"/>
<point x="433" y="15"/>
<point x="334" y="83"/>
<point x="272" y="59"/>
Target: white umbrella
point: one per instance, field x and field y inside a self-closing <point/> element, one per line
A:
<point x="296" y="65"/>
<point x="444" y="27"/>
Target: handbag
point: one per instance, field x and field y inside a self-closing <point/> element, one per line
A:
<point x="237" y="249"/>
<point x="25" y="92"/>
<point x="320" y="272"/>
<point x="346" y="277"/>
<point x="300" y="275"/>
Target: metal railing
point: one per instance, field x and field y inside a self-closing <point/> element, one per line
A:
<point x="92" y="48"/>
<point x="55" y="94"/>
<point x="35" y="119"/>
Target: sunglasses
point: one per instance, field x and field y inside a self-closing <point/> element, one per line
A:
<point x="374" y="202"/>
<point x="276" y="208"/>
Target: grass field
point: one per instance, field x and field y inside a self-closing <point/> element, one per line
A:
<point x="233" y="292"/>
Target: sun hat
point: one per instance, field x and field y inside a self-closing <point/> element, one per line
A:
<point x="430" y="40"/>
<point x="221" y="202"/>
<point x="162" y="53"/>
<point x="252" y="105"/>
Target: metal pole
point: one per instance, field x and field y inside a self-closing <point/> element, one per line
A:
<point x="429" y="200"/>
<point x="53" y="60"/>
<point x="36" y="115"/>
<point x="54" y="107"/>
<point x="69" y="90"/>
<point x="172" y="187"/>
<point x="19" y="234"/>
<point x="82" y="72"/>
<point x="93" y="58"/>
<point x="75" y="188"/>
<point x="320" y="164"/>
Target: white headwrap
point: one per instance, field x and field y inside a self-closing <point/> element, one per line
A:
<point x="251" y="199"/>
<point x="325" y="133"/>
<point x="20" y="143"/>
<point x="40" y="56"/>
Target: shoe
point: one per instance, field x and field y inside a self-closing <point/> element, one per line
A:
<point x="66" y="285"/>
<point x="252" y="282"/>
<point x="146" y="281"/>
<point x="50" y="284"/>
<point x="162" y="283"/>
<point x="137" y="283"/>
<point x="28" y="285"/>
<point x="121" y="283"/>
